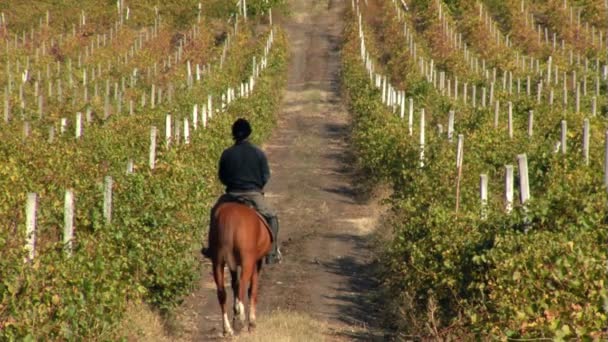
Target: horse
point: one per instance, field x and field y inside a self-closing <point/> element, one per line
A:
<point x="238" y="237"/>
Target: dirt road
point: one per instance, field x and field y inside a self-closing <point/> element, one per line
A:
<point x="324" y="226"/>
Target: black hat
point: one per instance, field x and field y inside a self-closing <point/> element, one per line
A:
<point x="241" y="129"/>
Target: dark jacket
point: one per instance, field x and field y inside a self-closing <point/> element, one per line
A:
<point x="244" y="167"/>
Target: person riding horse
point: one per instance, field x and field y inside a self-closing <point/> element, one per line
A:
<point x="243" y="169"/>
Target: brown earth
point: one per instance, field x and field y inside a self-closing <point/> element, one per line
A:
<point x="325" y="222"/>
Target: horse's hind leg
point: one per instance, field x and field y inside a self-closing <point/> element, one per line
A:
<point x="218" y="276"/>
<point x="234" y="277"/>
<point x="239" y="308"/>
<point x="246" y="277"/>
<point x="253" y="295"/>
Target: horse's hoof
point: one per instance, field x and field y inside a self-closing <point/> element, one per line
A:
<point x="237" y="325"/>
<point x="252" y="327"/>
<point x="228" y="333"/>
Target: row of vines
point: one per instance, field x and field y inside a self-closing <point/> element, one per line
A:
<point x="494" y="139"/>
<point x="85" y="83"/>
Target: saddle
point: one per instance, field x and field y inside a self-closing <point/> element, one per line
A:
<point x="228" y="198"/>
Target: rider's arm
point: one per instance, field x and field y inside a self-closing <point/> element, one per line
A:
<point x="222" y="170"/>
<point x="265" y="169"/>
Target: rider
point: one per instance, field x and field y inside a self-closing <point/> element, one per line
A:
<point x="244" y="170"/>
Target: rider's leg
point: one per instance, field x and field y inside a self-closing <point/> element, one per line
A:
<point x="275" y="255"/>
<point x="268" y="212"/>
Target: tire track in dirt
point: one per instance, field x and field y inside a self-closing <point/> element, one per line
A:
<point x="324" y="227"/>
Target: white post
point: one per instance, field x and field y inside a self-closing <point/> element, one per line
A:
<point x="411" y="116"/>
<point x="508" y="188"/>
<point x="204" y="117"/>
<point x="186" y="131"/>
<point x="450" y="125"/>
<point x="64" y="125"/>
<point x="459" y="151"/>
<point x="152" y="160"/>
<point x="107" y="199"/>
<point x="130" y="166"/>
<point x="522" y="161"/>
<point x="68" y="219"/>
<point x="422" y="138"/>
<point x="195" y="117"/>
<point x="564" y="136"/>
<point x="78" y="125"/>
<point x="209" y="106"/>
<point x="510" y="118"/>
<point x="459" y="159"/>
<point x="496" y="113"/>
<point x="586" y="141"/>
<point x="168" y="130"/>
<point x="30" y="226"/>
<point x="530" y="123"/>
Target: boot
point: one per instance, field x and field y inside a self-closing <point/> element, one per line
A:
<point x="274" y="256"/>
<point x="206" y="252"/>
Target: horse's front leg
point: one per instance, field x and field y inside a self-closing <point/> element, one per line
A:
<point x="218" y="276"/>
<point x="253" y="295"/>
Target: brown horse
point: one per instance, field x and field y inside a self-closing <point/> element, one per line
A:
<point x="238" y="237"/>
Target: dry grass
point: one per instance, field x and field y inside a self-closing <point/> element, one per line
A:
<point x="286" y="326"/>
<point x="142" y="324"/>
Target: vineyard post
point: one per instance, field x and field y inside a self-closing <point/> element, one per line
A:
<point x="204" y="116"/>
<point x="450" y="125"/>
<point x="510" y="120"/>
<point x="586" y="140"/>
<point x="509" y="188"/>
<point x="107" y="199"/>
<point x="522" y="161"/>
<point x="186" y="131"/>
<point x="593" y="106"/>
<point x="30" y="226"/>
<point x="152" y="156"/>
<point x="195" y="117"/>
<point x="7" y="105"/>
<point x="530" y="123"/>
<point x="564" y="136"/>
<point x="578" y="98"/>
<point x="459" y="159"/>
<point x="78" y="128"/>
<point x="68" y="219"/>
<point x="167" y="130"/>
<point x="496" y="113"/>
<point x="411" y="116"/>
<point x="422" y="137"/>
<point x="63" y="126"/>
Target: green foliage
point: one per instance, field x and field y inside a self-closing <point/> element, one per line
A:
<point x="538" y="272"/>
<point x="159" y="217"/>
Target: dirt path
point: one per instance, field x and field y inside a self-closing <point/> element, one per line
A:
<point x="324" y="227"/>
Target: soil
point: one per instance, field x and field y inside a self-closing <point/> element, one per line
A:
<point x="325" y="222"/>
